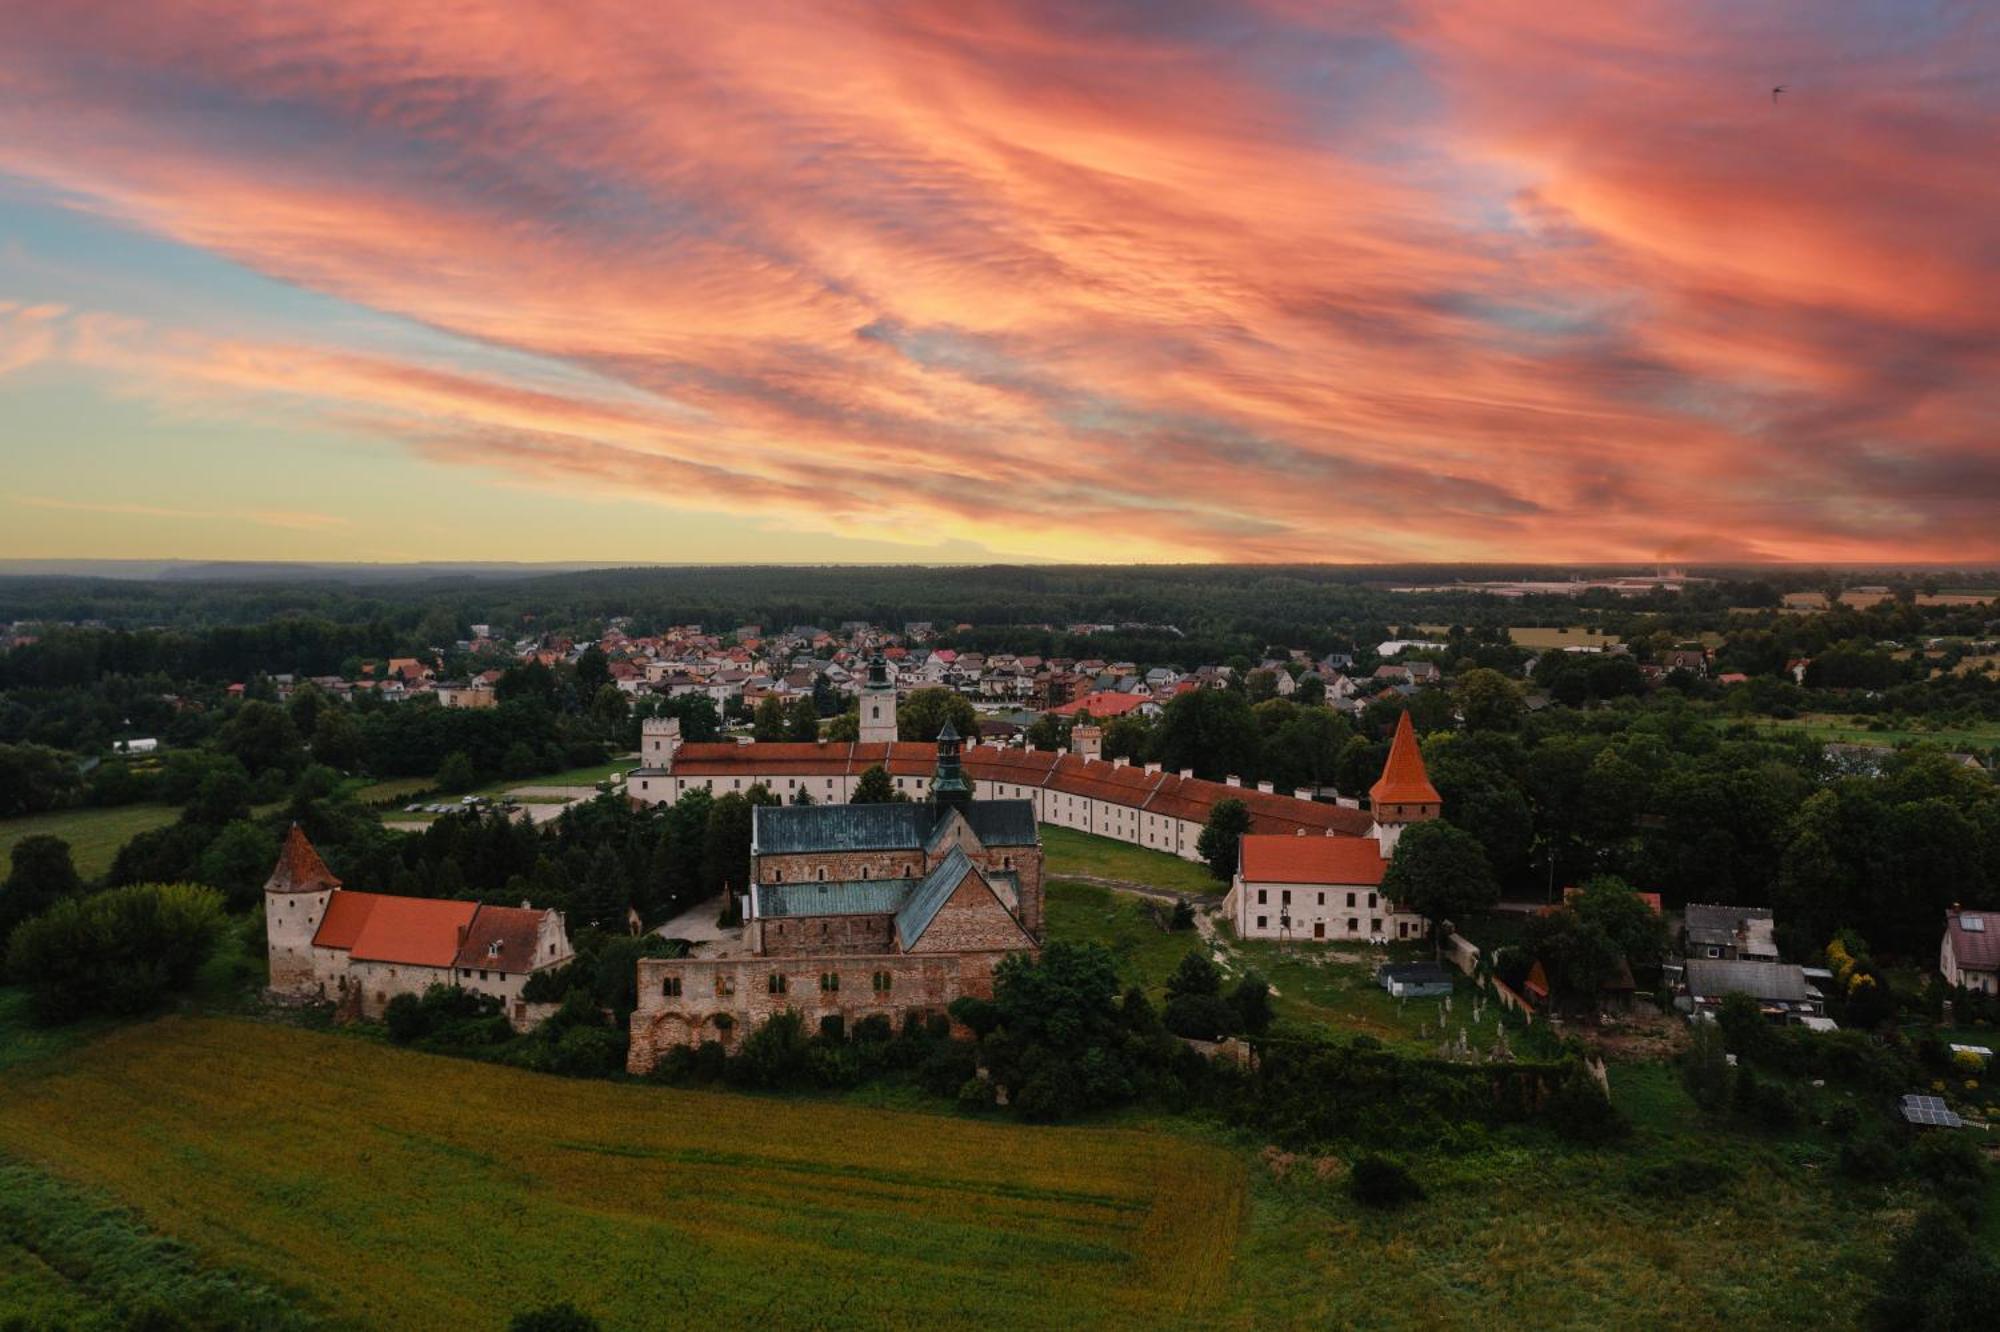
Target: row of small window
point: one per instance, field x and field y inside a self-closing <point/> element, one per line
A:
<point x="1285" y="898"/>
<point x="779" y="983"/>
<point x="1353" y="925"/>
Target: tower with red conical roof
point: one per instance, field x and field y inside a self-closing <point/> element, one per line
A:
<point x="1404" y="794"/>
<point x="295" y="902"/>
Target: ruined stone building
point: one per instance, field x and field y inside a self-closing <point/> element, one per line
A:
<point x="360" y="950"/>
<point x="857" y="911"/>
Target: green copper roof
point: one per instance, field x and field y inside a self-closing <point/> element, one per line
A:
<point x="844" y="897"/>
<point x="931" y="892"/>
<point x="790" y="829"/>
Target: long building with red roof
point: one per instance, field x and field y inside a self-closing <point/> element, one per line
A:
<point x="360" y="950"/>
<point x="1137" y="803"/>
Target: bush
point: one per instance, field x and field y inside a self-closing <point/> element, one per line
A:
<point x="1938" y="1279"/>
<point x="1203" y="1017"/>
<point x="1686" y="1177"/>
<point x="1381" y="1183"/>
<point x="122" y="951"/>
<point x="1871" y="1157"/>
<point x="1250" y="1003"/>
<point x="1183" y="917"/>
<point x="563" y="1317"/>
<point x="406" y="1019"/>
<point x="1579" y="1111"/>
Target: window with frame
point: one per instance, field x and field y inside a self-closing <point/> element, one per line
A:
<point x="777" y="983"/>
<point x="1353" y="925"/>
<point x="670" y="988"/>
<point x="829" y="982"/>
<point x="725" y="985"/>
<point x="1261" y="922"/>
<point x="884" y="982"/>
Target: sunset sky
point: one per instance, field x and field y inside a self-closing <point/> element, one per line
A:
<point x="1259" y="280"/>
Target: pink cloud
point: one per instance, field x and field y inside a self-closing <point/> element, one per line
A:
<point x="1385" y="281"/>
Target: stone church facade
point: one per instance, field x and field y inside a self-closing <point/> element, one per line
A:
<point x="859" y="911"/>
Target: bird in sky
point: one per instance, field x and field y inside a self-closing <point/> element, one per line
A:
<point x="1774" y="93"/>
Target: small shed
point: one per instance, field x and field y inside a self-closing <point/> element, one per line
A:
<point x="1414" y="980"/>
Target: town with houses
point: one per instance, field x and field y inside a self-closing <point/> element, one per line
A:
<point x="800" y="859"/>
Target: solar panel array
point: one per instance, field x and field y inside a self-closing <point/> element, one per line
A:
<point x="1930" y="1110"/>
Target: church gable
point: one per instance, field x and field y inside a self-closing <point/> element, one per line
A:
<point x="970" y="918"/>
<point x="951" y="831"/>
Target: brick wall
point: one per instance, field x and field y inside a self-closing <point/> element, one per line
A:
<point x="739" y="990"/>
<point x="805" y="867"/>
<point x="971" y="920"/>
<point x="827" y="934"/>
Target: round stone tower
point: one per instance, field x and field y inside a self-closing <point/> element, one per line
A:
<point x="295" y="901"/>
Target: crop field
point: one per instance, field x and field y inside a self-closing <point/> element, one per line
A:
<point x="1070" y="853"/>
<point x="1541" y="639"/>
<point x="393" y="1189"/>
<point x="94" y="835"/>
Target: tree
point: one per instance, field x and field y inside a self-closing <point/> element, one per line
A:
<point x="1382" y="1184"/>
<point x="875" y="787"/>
<point x="1227" y="822"/>
<point x="1488" y="701"/>
<point x="238" y="861"/>
<point x="768" y="722"/>
<point x="336" y="740"/>
<point x="923" y="714"/>
<point x="1608" y="903"/>
<point x="1251" y="1001"/>
<point x="1938" y="1278"/>
<point x="120" y="951"/>
<point x="34" y="778"/>
<point x="456" y="774"/>
<point x="593" y="672"/>
<point x="261" y="736"/>
<point x="1212" y="731"/>
<point x="845" y="728"/>
<point x="42" y="875"/>
<point x="1440" y="872"/>
<point x="1705" y="1070"/>
<point x="802" y="720"/>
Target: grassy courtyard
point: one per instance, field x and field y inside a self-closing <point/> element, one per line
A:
<point x="1840" y="729"/>
<point x="1070" y="853"/>
<point x="94" y="835"/>
<point x="390" y="1189"/>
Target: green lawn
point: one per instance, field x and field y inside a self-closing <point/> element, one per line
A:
<point x="1069" y="853"/>
<point x="1126" y="925"/>
<point x="94" y="835"/>
<point x="1334" y="986"/>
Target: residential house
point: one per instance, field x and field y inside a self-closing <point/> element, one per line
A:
<point x="1969" y="955"/>
<point x="1728" y="933"/>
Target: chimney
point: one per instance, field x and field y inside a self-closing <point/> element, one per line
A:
<point x="1267" y="788"/>
<point x="1152" y="769"/>
<point x="1302" y="793"/>
<point x="1187" y="774"/>
<point x="1120" y="762"/>
<point x="1232" y="780"/>
<point x="1298" y="832"/>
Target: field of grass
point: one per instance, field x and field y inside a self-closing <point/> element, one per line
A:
<point x="1334" y="986"/>
<point x="94" y="835"/>
<point x="1068" y="853"/>
<point x="1842" y="730"/>
<point x="393" y="1189"/>
<point x="1126" y="925"/>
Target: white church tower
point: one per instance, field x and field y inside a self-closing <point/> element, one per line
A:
<point x="659" y="741"/>
<point x="878" y="704"/>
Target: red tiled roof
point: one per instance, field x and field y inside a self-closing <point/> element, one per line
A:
<point x="420" y="931"/>
<point x="346" y="913"/>
<point x="1105" y="703"/>
<point x="1341" y="860"/>
<point x="515" y="931"/>
<point x="1404" y="780"/>
<point x="1977" y="949"/>
<point x="724" y="759"/>
<point x="299" y="868"/>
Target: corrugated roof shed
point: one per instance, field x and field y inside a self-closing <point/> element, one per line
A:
<point x="1711" y="977"/>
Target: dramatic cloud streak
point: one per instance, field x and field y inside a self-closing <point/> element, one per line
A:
<point x="1112" y="281"/>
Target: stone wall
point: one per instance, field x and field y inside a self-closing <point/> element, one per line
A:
<point x="794" y="935"/>
<point x="972" y="920"/>
<point x="725" y="999"/>
<point x="806" y="866"/>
